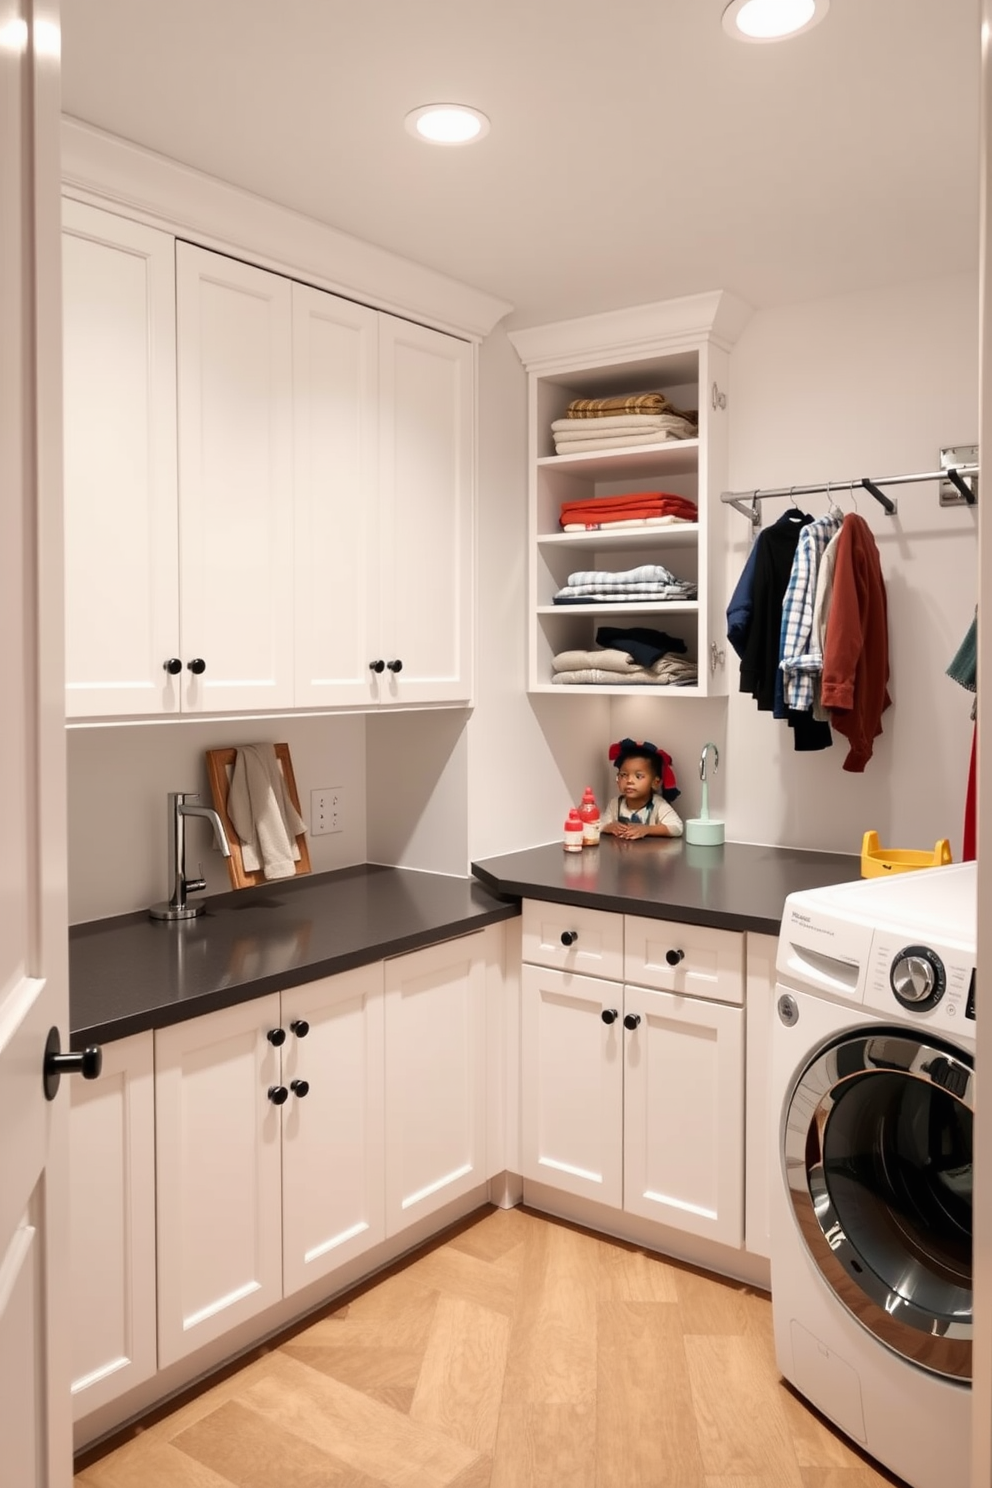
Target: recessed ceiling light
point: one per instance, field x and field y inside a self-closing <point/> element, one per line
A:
<point x="447" y="123"/>
<point x="772" y="20"/>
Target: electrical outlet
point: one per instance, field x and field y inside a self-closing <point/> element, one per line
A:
<point x="326" y="809"/>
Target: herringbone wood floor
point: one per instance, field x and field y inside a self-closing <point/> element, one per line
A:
<point x="518" y="1353"/>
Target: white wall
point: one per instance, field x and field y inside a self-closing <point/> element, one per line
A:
<point x="869" y="384"/>
<point x="118" y="779"/>
<point x="529" y="758"/>
<point x="416" y="788"/>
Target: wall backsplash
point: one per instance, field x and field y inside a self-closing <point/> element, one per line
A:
<point x="118" y="779"/>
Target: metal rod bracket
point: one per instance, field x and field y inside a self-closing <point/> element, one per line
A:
<point x="955" y="489"/>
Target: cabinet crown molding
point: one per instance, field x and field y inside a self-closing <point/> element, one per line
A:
<point x="111" y="172"/>
<point x="637" y="330"/>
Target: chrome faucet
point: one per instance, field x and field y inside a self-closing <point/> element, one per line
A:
<point x="181" y="805"/>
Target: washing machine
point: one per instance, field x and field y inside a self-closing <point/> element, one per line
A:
<point x="872" y="1090"/>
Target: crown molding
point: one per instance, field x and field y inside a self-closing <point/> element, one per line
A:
<point x="633" y="332"/>
<point x="115" y="174"/>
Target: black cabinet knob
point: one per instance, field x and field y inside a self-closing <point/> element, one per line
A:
<point x="299" y="1087"/>
<point x="196" y="666"/>
<point x="569" y="937"/>
<point x="609" y="1015"/>
<point x="278" y="1095"/>
<point x="674" y="957"/>
<point x="300" y="1027"/>
<point x="276" y="1036"/>
<point x="377" y="666"/>
<point x="87" y="1062"/>
<point x="631" y="1021"/>
<point x="173" y="666"/>
<point x="395" y="666"/>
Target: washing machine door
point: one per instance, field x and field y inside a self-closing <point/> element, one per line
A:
<point x="877" y="1149"/>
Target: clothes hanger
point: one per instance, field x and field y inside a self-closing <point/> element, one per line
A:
<point x="833" y="509"/>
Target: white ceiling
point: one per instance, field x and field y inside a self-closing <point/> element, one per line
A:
<point x="636" y="151"/>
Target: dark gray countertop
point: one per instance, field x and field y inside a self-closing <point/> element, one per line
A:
<point x="129" y="974"/>
<point x="737" y="886"/>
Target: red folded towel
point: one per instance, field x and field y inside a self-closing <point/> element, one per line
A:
<point x="631" y="507"/>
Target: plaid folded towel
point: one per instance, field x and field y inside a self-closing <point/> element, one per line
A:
<point x="626" y="403"/>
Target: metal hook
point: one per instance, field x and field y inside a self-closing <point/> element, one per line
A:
<point x="832" y="506"/>
<point x="792" y="497"/>
<point x="854" y="499"/>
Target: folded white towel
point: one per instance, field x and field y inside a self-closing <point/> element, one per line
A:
<point x="567" y="446"/>
<point x="262" y="813"/>
<point x="635" y="422"/>
<point x="608" y="660"/>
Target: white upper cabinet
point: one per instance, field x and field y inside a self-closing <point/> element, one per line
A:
<point x="235" y="483"/>
<point x="121" y="531"/>
<point x="426" y="390"/>
<point x="336" y="439"/>
<point x="269" y="489"/>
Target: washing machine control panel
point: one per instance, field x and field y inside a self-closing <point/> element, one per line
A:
<point x="917" y="977"/>
<point x="931" y="981"/>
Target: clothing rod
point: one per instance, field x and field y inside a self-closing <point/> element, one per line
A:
<point x="747" y="502"/>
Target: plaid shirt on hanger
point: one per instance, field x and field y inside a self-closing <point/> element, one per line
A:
<point x="797" y="610"/>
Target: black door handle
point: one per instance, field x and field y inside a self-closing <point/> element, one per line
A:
<point x="631" y="1021"/>
<point x="88" y="1063"/>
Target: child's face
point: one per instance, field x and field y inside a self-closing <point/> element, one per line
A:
<point x="637" y="779"/>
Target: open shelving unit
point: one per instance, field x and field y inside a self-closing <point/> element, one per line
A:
<point x="680" y="348"/>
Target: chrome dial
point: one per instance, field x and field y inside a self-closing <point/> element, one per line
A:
<point x="918" y="978"/>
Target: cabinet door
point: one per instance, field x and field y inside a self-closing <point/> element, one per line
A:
<point x="121" y="535"/>
<point x="435" y="1078"/>
<point x="235" y="482"/>
<point x="217" y="1143"/>
<point x="572" y="1083"/>
<point x="427" y="465"/>
<point x="335" y="403"/>
<point x="684" y="1114"/>
<point x="112" y="1225"/>
<point x="332" y="1162"/>
<point x="691" y="959"/>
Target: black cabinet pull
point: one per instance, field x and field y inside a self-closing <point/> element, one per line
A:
<point x="278" y="1095"/>
<point x="299" y="1087"/>
<point x="87" y="1062"/>
<point x="631" y="1021"/>
<point x="674" y="957"/>
<point x="395" y="666"/>
<point x="196" y="666"/>
<point x="569" y="937"/>
<point x="377" y="666"/>
<point x="173" y="666"/>
<point x="276" y="1036"/>
<point x="300" y="1027"/>
<point x="609" y="1015"/>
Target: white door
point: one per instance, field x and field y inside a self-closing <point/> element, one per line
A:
<point x="234" y="325"/>
<point x="121" y="520"/>
<point x="35" y="1416"/>
<point x="427" y="468"/>
<point x="571" y="1083"/>
<point x="217" y="1143"/>
<point x="435" y="1077"/>
<point x="332" y="1123"/>
<point x="684" y="1113"/>
<point x="335" y="450"/>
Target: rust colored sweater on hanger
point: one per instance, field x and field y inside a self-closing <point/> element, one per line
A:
<point x="856" y="648"/>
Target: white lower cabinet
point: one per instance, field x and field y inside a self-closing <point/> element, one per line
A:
<point x="333" y="1202"/>
<point x="633" y="1096"/>
<point x="435" y="1078"/>
<point x="112" y="1225"/>
<point x="217" y="1142"/>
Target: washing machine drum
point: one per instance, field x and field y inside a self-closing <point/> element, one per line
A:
<point x="877" y="1149"/>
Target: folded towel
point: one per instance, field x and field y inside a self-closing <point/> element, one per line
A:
<point x="964" y="667"/>
<point x="632" y="522"/>
<point x="262" y="813"/>
<point x="647" y="573"/>
<point x="625" y="403"/>
<point x="611" y="424"/>
<point x="596" y="675"/>
<point x="678" y="429"/>
<point x="607" y="660"/>
<point x="641" y="642"/>
<point x="629" y="503"/>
